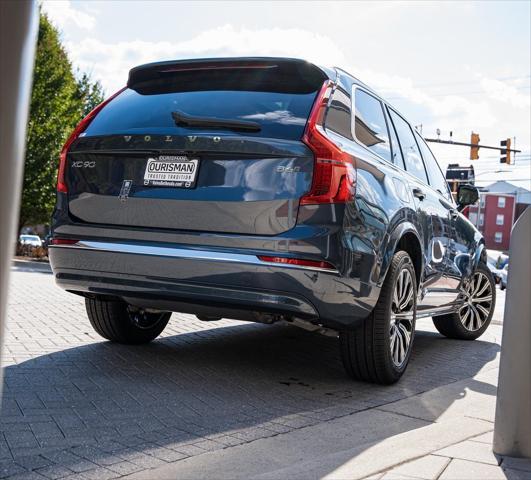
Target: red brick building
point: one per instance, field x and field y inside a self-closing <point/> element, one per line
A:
<point x="494" y="217"/>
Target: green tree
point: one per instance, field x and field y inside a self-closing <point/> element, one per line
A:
<point x="89" y="93"/>
<point x="58" y="102"/>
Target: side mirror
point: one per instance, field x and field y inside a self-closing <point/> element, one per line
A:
<point x="466" y="195"/>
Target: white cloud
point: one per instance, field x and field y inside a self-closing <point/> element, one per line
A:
<point x="456" y="110"/>
<point x="504" y="92"/>
<point x="111" y="62"/>
<point x="62" y="14"/>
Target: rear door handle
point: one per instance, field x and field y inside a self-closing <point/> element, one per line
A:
<point x="419" y="193"/>
<point x="454" y="213"/>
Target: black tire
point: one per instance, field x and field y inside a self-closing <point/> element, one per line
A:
<point x="366" y="351"/>
<point x="119" y="322"/>
<point x="452" y="326"/>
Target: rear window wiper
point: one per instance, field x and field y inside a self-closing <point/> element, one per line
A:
<point x="185" y="120"/>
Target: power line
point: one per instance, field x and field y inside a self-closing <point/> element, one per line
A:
<point x="483" y="159"/>
<point x="475" y="92"/>
<point x="468" y="82"/>
<point x="511" y="180"/>
<point x="493" y="157"/>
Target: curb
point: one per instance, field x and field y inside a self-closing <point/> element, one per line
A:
<point x="31" y="266"/>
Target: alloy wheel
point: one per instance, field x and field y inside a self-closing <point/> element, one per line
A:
<point x="402" y="312"/>
<point x="142" y="319"/>
<point x="478" y="302"/>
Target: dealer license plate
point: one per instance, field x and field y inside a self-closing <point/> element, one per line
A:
<point x="177" y="171"/>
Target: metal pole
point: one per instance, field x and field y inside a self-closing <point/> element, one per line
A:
<point x="18" y="33"/>
<point x="512" y="428"/>
<point x="465" y="144"/>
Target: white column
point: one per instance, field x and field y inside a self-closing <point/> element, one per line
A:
<point x="512" y="428"/>
<point x="18" y="34"/>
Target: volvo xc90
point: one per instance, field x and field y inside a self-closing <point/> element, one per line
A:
<point x="269" y="190"/>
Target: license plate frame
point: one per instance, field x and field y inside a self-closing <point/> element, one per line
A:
<point x="175" y="171"/>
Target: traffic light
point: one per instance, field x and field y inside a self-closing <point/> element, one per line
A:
<point x="505" y="153"/>
<point x="474" y="149"/>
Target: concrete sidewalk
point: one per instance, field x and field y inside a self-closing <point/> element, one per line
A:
<point x="420" y="437"/>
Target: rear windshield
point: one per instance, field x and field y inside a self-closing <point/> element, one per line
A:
<point x="280" y="104"/>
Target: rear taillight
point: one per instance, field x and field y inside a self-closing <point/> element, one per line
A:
<point x="297" y="261"/>
<point x="334" y="174"/>
<point x="64" y="241"/>
<point x="81" y="127"/>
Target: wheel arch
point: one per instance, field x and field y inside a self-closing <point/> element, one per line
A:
<point x="480" y="255"/>
<point x="405" y="237"/>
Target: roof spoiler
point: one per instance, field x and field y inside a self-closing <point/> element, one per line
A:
<point x="154" y="71"/>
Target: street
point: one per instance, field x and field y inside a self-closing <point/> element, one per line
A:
<point x="76" y="406"/>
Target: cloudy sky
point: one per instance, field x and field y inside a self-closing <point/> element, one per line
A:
<point x="459" y="67"/>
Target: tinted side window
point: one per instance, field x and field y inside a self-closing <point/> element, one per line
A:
<point x="397" y="158"/>
<point x="370" y="127"/>
<point x="410" y="150"/>
<point x="437" y="180"/>
<point x="338" y="116"/>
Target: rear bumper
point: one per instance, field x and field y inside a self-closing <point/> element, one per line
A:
<point x="190" y="279"/>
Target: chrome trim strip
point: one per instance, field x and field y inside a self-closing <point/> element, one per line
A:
<point x="184" y="253"/>
<point x="440" y="310"/>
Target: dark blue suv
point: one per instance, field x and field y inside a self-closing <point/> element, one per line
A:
<point x="269" y="190"/>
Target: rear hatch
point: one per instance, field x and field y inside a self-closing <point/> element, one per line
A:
<point x="206" y="146"/>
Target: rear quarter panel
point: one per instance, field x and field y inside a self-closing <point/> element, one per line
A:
<point x="467" y="249"/>
<point x="382" y="211"/>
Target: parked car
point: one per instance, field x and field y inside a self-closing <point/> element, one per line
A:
<point x="492" y="264"/>
<point x="30" y="240"/>
<point x="269" y="190"/>
<point x="503" y="260"/>
<point x="47" y="240"/>
<point x="503" y="276"/>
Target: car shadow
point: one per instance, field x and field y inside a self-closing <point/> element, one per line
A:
<point x="204" y="390"/>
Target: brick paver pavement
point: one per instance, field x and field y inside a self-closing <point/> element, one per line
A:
<point x="75" y="406"/>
